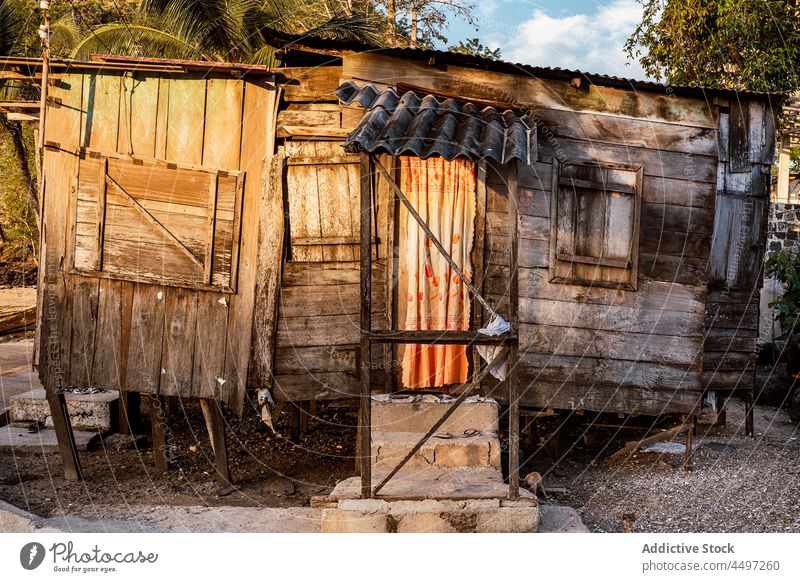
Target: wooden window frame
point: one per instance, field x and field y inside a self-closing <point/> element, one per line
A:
<point x="631" y="263"/>
<point x="214" y="174"/>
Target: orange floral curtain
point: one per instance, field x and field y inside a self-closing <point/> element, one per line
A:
<point x="444" y="195"/>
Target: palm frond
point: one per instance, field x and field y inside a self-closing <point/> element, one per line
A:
<point x="136" y="40"/>
<point x="266" y="55"/>
<point x="64" y="35"/>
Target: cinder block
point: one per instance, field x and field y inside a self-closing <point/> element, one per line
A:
<point x="90" y="412"/>
<point x="508" y="520"/>
<point x="419" y="416"/>
<point x="482" y="450"/>
<point x="343" y="521"/>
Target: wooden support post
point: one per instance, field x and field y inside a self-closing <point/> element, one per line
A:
<point x="304" y="417"/>
<point x="65" y="436"/>
<point x="365" y="441"/>
<point x="749" y="429"/>
<point x="294" y="422"/>
<point x="513" y="382"/>
<point x="215" y="423"/>
<point x="129" y="410"/>
<point x="784" y="163"/>
<point x="158" y="423"/>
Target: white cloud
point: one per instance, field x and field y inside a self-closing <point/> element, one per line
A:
<point x="591" y="42"/>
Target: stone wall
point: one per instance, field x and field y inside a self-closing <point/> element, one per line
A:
<point x="783" y="233"/>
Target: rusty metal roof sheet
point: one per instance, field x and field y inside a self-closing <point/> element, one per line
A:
<point x="423" y="126"/>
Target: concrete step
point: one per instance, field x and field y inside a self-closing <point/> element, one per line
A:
<point x="431" y="483"/>
<point x="431" y="516"/>
<point x="418" y="413"/>
<point x="433" y="499"/>
<point x="18" y="440"/>
<point x="89" y="412"/>
<point x="481" y="450"/>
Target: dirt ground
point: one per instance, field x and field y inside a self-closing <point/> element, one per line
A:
<point x="738" y="483"/>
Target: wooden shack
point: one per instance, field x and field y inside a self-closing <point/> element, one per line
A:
<point x="201" y="227"/>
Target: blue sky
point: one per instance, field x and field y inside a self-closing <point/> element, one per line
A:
<point x="574" y="34"/>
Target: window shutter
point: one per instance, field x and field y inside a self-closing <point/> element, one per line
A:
<point x="323" y="194"/>
<point x="595" y="229"/>
<point x="160" y="222"/>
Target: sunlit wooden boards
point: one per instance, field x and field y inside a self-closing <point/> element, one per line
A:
<point x="156" y="257"/>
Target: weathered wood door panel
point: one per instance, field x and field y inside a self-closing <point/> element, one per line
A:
<point x="146" y="220"/>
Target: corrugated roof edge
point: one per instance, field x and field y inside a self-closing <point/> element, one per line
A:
<point x="298" y="42"/>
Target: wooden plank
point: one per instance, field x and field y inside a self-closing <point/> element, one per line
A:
<point x="524" y="90"/>
<point x="318" y="386"/>
<point x="223" y="122"/>
<point x="304" y="207"/>
<point x="310" y="83"/>
<point x="654" y="295"/>
<point x="631" y="346"/>
<point x="84" y="325"/>
<point x="513" y="355"/>
<point x="263" y="357"/>
<point x="113" y="333"/>
<point x="142" y="115"/>
<point x="334" y="211"/>
<point x="186" y="118"/>
<point x="309" y="118"/>
<point x="308" y="301"/>
<point x="146" y="335"/>
<point x="258" y="122"/>
<point x="739" y="137"/>
<point x="302" y="360"/>
<point x="179" y="334"/>
<point x="325" y="274"/>
<point x="209" y="345"/>
<point x="61" y="169"/>
<point x="624" y="318"/>
<point x="101" y="101"/>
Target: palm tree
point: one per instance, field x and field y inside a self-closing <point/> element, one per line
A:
<point x="223" y="30"/>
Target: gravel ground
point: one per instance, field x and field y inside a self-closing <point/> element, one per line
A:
<point x="739" y="484"/>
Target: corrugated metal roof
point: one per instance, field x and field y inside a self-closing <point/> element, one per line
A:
<point x="333" y="46"/>
<point x="424" y="126"/>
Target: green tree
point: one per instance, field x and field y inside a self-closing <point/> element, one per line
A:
<point x="752" y="44"/>
<point x="473" y="46"/>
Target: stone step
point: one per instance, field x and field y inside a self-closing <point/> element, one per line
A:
<point x="89" y="412"/>
<point x="18" y="440"/>
<point x="431" y="516"/>
<point x="433" y="499"/>
<point x="430" y="483"/>
<point x="481" y="450"/>
<point x="418" y="413"/>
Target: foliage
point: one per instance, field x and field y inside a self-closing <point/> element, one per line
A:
<point x="17" y="216"/>
<point x="785" y="267"/>
<point x="752" y="44"/>
<point x="474" y="47"/>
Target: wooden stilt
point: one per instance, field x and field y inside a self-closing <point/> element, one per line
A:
<point x="365" y="412"/>
<point x="66" y="438"/>
<point x="129" y="410"/>
<point x="304" y="417"/>
<point x="215" y="423"/>
<point x="294" y="422"/>
<point x="158" y="423"/>
<point x="513" y="382"/>
<point x="749" y="429"/>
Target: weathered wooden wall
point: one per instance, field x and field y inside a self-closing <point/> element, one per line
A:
<point x="120" y="330"/>
<point x="746" y="153"/>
